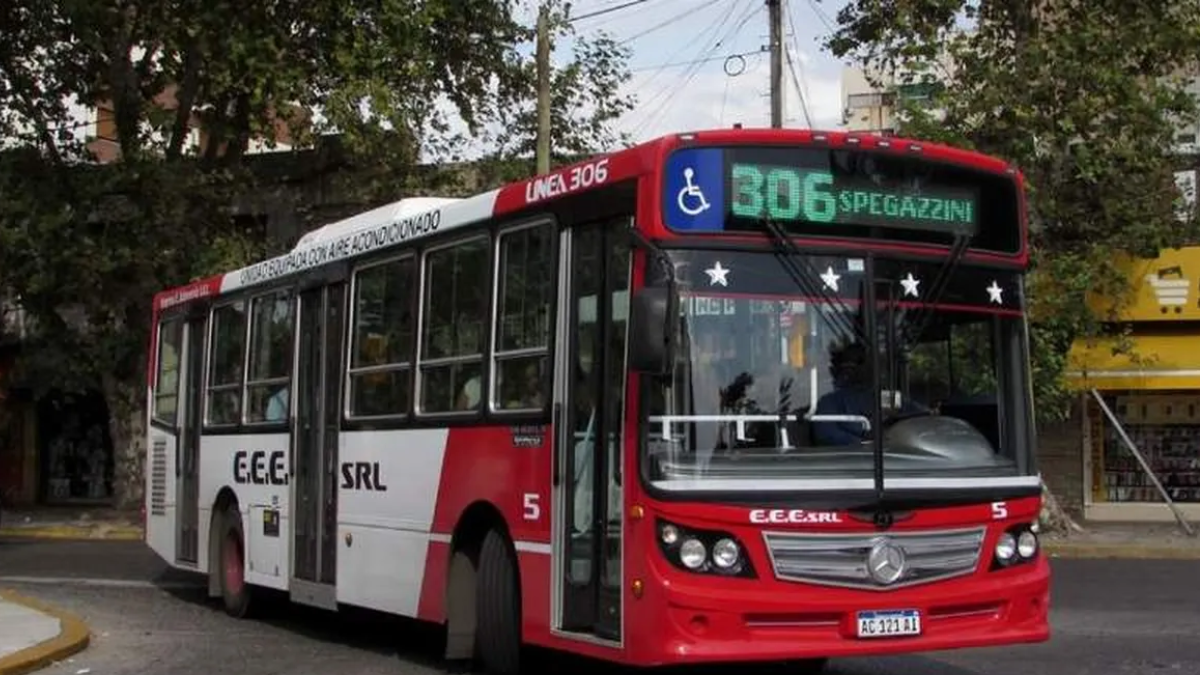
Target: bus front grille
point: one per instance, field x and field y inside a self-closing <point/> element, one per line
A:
<point x="899" y="559"/>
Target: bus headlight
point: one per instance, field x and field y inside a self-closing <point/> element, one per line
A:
<point x="1016" y="545"/>
<point x="1006" y="548"/>
<point x="1027" y="544"/>
<point x="725" y="553"/>
<point x="692" y="553"/>
<point x="704" y="551"/>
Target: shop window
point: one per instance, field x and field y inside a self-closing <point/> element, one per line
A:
<point x="452" y="335"/>
<point x="1165" y="427"/>
<point x="526" y="286"/>
<point x="166" y="377"/>
<point x="384" y="327"/>
<point x="226" y="358"/>
<point x="271" y="339"/>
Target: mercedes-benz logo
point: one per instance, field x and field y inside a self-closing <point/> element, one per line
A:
<point x="885" y="562"/>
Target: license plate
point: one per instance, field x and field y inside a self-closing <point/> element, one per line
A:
<point x="889" y="624"/>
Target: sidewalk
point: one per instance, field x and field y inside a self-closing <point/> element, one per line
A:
<point x="33" y="636"/>
<point x="1125" y="540"/>
<point x="71" y="523"/>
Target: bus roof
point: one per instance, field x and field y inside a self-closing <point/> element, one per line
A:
<point x="417" y="217"/>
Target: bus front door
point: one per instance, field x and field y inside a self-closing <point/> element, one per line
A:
<point x="315" y="445"/>
<point x="589" y="406"/>
<point x="187" y="468"/>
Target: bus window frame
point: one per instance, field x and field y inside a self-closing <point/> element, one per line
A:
<point x="348" y="415"/>
<point x="494" y="354"/>
<point x="240" y="425"/>
<point x="210" y="345"/>
<point x="172" y="316"/>
<point x="291" y="296"/>
<point x="487" y="236"/>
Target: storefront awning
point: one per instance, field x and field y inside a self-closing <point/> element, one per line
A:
<point x="1144" y="362"/>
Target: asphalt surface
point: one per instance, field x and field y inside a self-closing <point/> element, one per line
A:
<point x="1128" y="617"/>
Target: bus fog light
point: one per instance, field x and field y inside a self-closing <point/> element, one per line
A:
<point x="1027" y="544"/>
<point x="692" y="554"/>
<point x="726" y="553"/>
<point x="670" y="534"/>
<point x="1006" y="547"/>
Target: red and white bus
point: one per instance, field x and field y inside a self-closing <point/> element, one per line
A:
<point x="807" y="353"/>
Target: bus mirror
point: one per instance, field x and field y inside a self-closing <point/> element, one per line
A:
<point x="650" y="331"/>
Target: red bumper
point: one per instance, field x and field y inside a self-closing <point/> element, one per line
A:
<point x="771" y="621"/>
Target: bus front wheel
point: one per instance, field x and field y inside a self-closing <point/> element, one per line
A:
<point x="235" y="593"/>
<point x="498" y="607"/>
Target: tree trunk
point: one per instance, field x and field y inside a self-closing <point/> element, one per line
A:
<point x="127" y="429"/>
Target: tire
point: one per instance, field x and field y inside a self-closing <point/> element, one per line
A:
<point x="235" y="593"/>
<point x="498" y="608"/>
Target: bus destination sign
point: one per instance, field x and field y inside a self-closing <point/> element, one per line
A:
<point x="817" y="196"/>
<point x="820" y="191"/>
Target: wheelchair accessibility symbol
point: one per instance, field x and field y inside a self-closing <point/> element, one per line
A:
<point x="691" y="198"/>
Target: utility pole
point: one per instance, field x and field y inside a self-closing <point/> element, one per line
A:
<point x="543" y="90"/>
<point x="775" y="16"/>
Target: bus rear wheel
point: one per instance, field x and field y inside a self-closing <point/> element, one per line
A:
<point x="498" y="608"/>
<point x="235" y="593"/>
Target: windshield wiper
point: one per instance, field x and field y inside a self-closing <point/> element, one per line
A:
<point x="787" y="252"/>
<point x="937" y="289"/>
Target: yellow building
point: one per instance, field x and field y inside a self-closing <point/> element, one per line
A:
<point x="1150" y="379"/>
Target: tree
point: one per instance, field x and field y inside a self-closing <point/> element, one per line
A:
<point x="83" y="247"/>
<point x="586" y="98"/>
<point x="1082" y="95"/>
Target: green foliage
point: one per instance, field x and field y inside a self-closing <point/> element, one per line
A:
<point x="84" y="246"/>
<point x="585" y="97"/>
<point x="1082" y="96"/>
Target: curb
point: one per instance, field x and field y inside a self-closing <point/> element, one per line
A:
<point x="92" y="533"/>
<point x="73" y="637"/>
<point x="1120" y="551"/>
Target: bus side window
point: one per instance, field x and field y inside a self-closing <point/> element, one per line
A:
<point x="267" y="390"/>
<point x="166" y="376"/>
<point x="384" y="326"/>
<point x="526" y="276"/>
<point x="226" y="356"/>
<point x="455" y="317"/>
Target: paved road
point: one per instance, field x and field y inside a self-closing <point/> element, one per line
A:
<point x="1126" y="617"/>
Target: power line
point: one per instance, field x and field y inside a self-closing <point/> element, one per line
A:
<point x="670" y="93"/>
<point x="799" y="90"/>
<point x="821" y="15"/>
<point x="792" y="68"/>
<point x="668" y="21"/>
<point x="606" y="10"/>
<point x="707" y="59"/>
<point x="714" y="27"/>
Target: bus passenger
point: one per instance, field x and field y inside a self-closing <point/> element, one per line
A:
<point x="277" y="405"/>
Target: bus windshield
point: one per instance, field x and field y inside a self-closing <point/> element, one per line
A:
<point x="771" y="383"/>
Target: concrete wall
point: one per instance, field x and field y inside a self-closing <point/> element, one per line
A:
<point x="1060" y="458"/>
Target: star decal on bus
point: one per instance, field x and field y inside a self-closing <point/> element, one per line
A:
<point x="995" y="293"/>
<point x="831" y="278"/>
<point x="717" y="275"/>
<point x="910" y="285"/>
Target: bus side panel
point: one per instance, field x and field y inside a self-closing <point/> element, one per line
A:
<point x="507" y="467"/>
<point x="161" y="493"/>
<point x="255" y="467"/>
<point x="387" y="487"/>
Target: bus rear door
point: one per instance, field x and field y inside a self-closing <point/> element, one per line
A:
<point x="318" y="383"/>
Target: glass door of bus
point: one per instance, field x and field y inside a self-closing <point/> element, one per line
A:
<point x="315" y="444"/>
<point x="187" y="467"/>
<point x="589" y="405"/>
